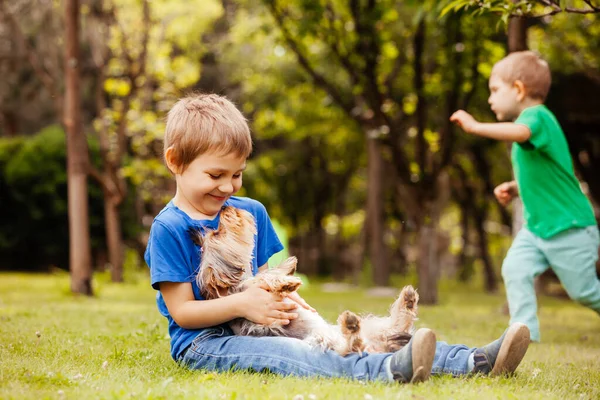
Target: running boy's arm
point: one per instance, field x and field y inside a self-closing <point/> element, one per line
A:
<point x="507" y="131"/>
<point x="254" y="304"/>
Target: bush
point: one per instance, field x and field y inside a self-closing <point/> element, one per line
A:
<point x="34" y="234"/>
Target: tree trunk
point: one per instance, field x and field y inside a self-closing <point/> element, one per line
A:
<point x="517" y="41"/>
<point x="464" y="261"/>
<point x="491" y="283"/>
<point x="77" y="161"/>
<point x="427" y="263"/>
<point x="517" y="34"/>
<point x="375" y="220"/>
<point x="114" y="238"/>
<point x="339" y="269"/>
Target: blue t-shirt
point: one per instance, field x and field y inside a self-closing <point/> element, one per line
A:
<point x="172" y="255"/>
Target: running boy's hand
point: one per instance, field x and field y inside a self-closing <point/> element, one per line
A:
<point x="465" y="121"/>
<point x="266" y="308"/>
<point x="505" y="192"/>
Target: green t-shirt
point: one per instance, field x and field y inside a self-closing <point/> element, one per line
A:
<point x="551" y="194"/>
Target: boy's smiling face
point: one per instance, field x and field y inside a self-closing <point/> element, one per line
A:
<point x="207" y="182"/>
<point x="504" y="99"/>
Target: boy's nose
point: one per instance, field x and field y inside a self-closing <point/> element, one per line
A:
<point x="226" y="188"/>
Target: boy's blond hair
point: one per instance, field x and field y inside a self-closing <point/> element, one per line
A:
<point x="527" y="67"/>
<point x="202" y="123"/>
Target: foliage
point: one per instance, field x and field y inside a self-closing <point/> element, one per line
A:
<point x="34" y="232"/>
<point x="116" y="346"/>
<point x="521" y="8"/>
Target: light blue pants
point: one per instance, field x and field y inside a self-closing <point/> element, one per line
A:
<point x="217" y="349"/>
<point x="571" y="254"/>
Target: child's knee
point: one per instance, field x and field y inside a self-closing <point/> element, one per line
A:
<point x="587" y="294"/>
<point x="511" y="272"/>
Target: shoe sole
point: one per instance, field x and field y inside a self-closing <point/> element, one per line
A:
<point x="423" y="352"/>
<point x="513" y="349"/>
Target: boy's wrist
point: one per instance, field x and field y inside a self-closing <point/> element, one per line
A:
<point x="239" y="300"/>
<point x="476" y="128"/>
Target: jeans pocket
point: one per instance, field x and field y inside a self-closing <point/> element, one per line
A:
<point x="208" y="333"/>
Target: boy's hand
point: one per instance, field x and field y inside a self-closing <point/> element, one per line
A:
<point x="296" y="297"/>
<point x="465" y="121"/>
<point x="266" y="308"/>
<point x="505" y="192"/>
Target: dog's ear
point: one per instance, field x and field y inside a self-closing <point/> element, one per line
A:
<point x="287" y="267"/>
<point x="208" y="282"/>
<point x="196" y="236"/>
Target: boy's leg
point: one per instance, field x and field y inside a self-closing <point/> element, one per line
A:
<point x="498" y="357"/>
<point x="522" y="264"/>
<point x="219" y="350"/>
<point x="573" y="255"/>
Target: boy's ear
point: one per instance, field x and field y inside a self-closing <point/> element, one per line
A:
<point x="172" y="161"/>
<point x="521" y="90"/>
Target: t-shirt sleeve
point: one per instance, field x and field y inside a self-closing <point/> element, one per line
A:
<point x="165" y="257"/>
<point x="533" y="119"/>
<point x="267" y="241"/>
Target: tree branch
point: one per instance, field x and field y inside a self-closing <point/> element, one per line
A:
<point x="334" y="44"/>
<point x="421" y="143"/>
<point x="47" y="80"/>
<point x="303" y="60"/>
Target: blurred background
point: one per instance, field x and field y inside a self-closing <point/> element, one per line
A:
<point x="348" y="102"/>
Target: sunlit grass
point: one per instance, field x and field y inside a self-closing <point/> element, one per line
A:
<point x="115" y="345"/>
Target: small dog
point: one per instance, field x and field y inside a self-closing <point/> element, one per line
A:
<point x="225" y="269"/>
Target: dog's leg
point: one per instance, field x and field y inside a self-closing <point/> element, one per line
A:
<point x="350" y="326"/>
<point x="287" y="267"/>
<point x="404" y="310"/>
<point x="403" y="314"/>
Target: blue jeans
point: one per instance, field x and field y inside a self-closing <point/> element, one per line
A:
<point x="571" y="254"/>
<point x="217" y="349"/>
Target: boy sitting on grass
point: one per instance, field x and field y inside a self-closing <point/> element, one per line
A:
<point x="207" y="142"/>
<point x="559" y="230"/>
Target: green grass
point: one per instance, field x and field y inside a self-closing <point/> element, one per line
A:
<point x="115" y="346"/>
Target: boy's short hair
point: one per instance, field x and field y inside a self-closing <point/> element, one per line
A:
<point x="527" y="67"/>
<point x="200" y="123"/>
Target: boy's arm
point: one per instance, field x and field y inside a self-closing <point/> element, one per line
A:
<point x="255" y="304"/>
<point x="507" y="131"/>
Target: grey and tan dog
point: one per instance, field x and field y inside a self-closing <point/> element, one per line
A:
<point x="225" y="269"/>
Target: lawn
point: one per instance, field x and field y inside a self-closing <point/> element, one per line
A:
<point x="115" y="346"/>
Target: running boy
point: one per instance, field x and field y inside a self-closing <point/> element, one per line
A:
<point x="559" y="229"/>
<point x="207" y="142"/>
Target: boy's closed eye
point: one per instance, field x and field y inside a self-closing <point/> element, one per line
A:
<point x="215" y="177"/>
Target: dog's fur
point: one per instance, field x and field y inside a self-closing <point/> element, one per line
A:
<point x="225" y="269"/>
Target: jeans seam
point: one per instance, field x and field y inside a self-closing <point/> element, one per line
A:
<point x="301" y="366"/>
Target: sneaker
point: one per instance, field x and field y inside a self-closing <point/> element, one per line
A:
<point x="503" y="355"/>
<point x="413" y="362"/>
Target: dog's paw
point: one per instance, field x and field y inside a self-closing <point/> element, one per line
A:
<point x="349" y="322"/>
<point x="409" y="298"/>
<point x="287" y="284"/>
